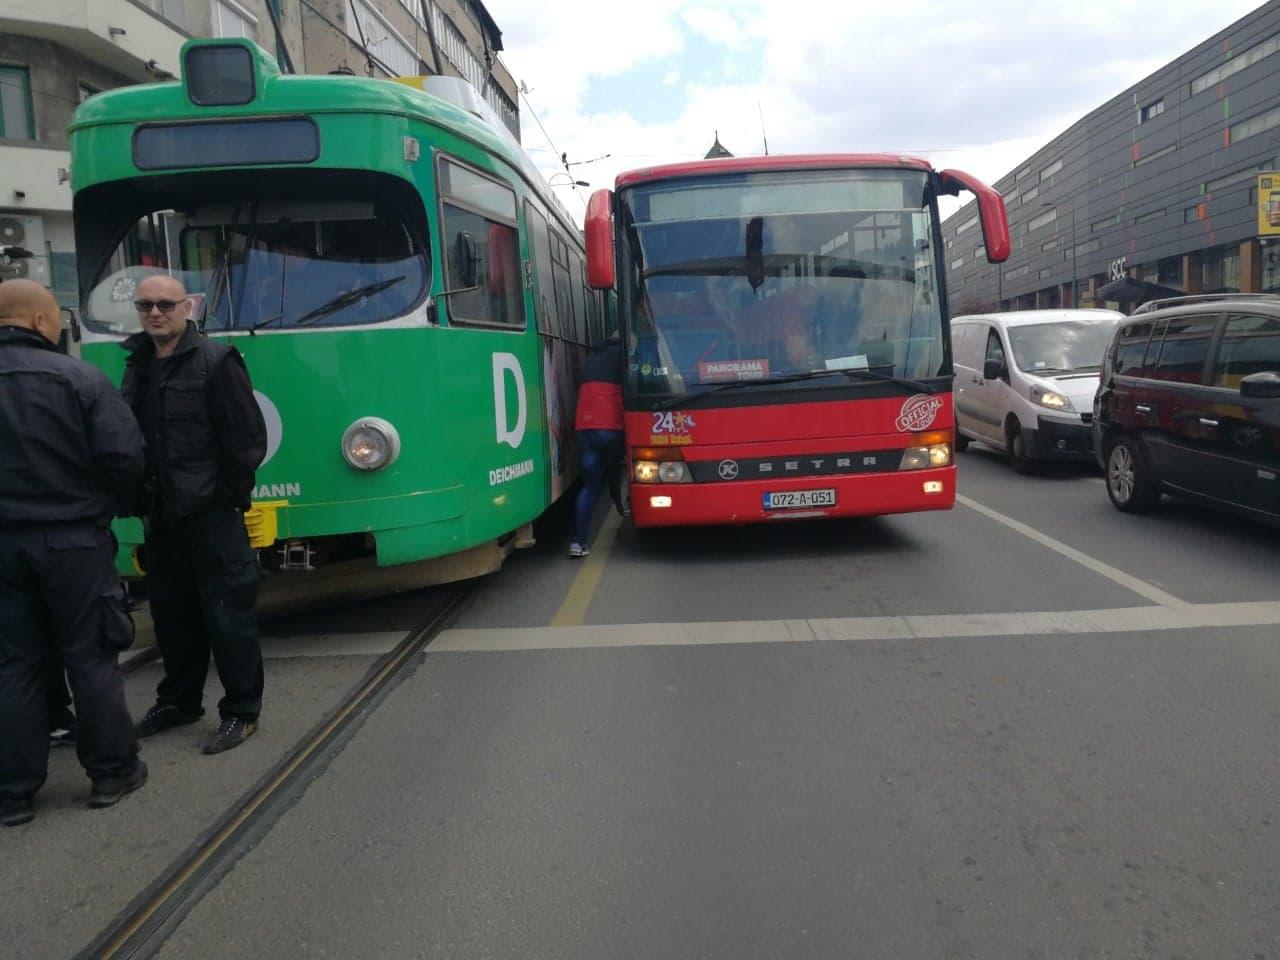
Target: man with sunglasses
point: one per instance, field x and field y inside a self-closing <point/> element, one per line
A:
<point x="70" y="454"/>
<point x="205" y="438"/>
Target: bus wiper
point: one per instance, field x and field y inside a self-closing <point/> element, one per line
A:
<point x="916" y="385"/>
<point x="345" y="300"/>
<point x="762" y="382"/>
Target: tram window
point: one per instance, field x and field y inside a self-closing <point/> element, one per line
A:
<point x="563" y="286"/>
<point x="582" y="327"/>
<point x="498" y="297"/>
<point x="539" y="241"/>
<point x="274" y="264"/>
<point x="485" y="210"/>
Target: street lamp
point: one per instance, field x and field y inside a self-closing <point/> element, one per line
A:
<point x="1075" y="273"/>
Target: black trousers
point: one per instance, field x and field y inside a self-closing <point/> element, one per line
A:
<point x="57" y="694"/>
<point x="203" y="579"/>
<point x="60" y="596"/>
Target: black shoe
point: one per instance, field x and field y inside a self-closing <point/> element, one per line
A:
<point x="63" y="736"/>
<point x="231" y="732"/>
<point x="108" y="791"/>
<point x="15" y="811"/>
<point x="163" y="716"/>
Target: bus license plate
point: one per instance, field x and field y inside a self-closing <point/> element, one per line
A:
<point x="800" y="499"/>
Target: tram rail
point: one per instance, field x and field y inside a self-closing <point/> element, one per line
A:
<point x="142" y="927"/>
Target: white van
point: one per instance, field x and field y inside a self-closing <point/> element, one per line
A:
<point x="1025" y="381"/>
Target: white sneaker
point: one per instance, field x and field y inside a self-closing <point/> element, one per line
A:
<point x="577" y="550"/>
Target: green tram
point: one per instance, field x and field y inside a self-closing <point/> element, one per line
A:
<point x="408" y="295"/>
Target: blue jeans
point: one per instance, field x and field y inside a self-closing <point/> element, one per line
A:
<point x="601" y="460"/>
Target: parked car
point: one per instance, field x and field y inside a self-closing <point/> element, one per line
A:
<point x="1025" y="381"/>
<point x="1189" y="404"/>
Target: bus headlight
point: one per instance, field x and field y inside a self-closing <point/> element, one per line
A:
<point x="918" y="458"/>
<point x="370" y="443"/>
<point x="660" y="471"/>
<point x="673" y="471"/>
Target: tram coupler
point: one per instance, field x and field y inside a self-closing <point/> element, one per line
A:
<point x="297" y="555"/>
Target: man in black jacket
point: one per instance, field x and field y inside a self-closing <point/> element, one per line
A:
<point x="205" y="438"/>
<point x="70" y="452"/>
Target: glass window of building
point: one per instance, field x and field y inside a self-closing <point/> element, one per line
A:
<point x="1220" y="270"/>
<point x="17" y="121"/>
<point x="232" y="20"/>
<point x="1255" y="125"/>
<point x="1240" y="61"/>
<point x="1151" y="110"/>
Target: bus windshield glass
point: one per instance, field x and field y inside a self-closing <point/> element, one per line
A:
<point x="773" y="275"/>
<point x="1060" y="347"/>
<point x="269" y="265"/>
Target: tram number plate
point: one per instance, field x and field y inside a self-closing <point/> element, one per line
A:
<point x="800" y="499"/>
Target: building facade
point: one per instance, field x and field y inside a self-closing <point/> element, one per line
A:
<point x="1160" y="184"/>
<point x="56" y="53"/>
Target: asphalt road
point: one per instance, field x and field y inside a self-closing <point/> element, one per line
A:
<point x="1030" y="727"/>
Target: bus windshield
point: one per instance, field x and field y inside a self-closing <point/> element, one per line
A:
<point x="773" y="275"/>
<point x="276" y="265"/>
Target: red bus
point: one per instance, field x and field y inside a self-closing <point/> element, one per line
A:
<point x="785" y="327"/>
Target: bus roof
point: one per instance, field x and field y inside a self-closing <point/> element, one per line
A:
<point x="804" y="161"/>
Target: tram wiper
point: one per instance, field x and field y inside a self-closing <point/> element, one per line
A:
<point x="262" y="323"/>
<point x="343" y="300"/>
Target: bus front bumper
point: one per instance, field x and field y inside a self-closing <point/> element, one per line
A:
<point x="743" y="501"/>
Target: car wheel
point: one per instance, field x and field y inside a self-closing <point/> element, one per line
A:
<point x="1016" y="444"/>
<point x="962" y="442"/>
<point x="1128" y="484"/>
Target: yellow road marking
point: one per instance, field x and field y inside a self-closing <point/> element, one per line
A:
<point x="574" y="609"/>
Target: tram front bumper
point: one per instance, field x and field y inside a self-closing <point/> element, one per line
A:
<point x="743" y="501"/>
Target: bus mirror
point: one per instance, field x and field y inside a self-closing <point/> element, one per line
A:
<point x="599" y="231"/>
<point x="991" y="211"/>
<point x="468" y="260"/>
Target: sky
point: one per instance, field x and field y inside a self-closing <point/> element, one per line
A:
<point x="974" y="86"/>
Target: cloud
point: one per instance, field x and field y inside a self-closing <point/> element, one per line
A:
<point x="978" y="87"/>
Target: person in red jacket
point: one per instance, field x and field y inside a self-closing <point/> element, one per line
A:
<point x="599" y="426"/>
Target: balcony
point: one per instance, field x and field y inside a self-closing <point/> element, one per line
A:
<point x="118" y="34"/>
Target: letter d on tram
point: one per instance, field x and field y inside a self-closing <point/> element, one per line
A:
<point x="511" y="436"/>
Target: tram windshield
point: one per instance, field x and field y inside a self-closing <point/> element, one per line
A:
<point x="280" y="265"/>
<point x="779" y="275"/>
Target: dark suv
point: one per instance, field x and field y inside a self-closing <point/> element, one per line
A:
<point x="1189" y="404"/>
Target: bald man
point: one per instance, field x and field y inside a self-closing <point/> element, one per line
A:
<point x="70" y="453"/>
<point x="205" y="438"/>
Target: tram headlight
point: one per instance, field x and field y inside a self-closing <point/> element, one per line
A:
<point x="370" y="443"/>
